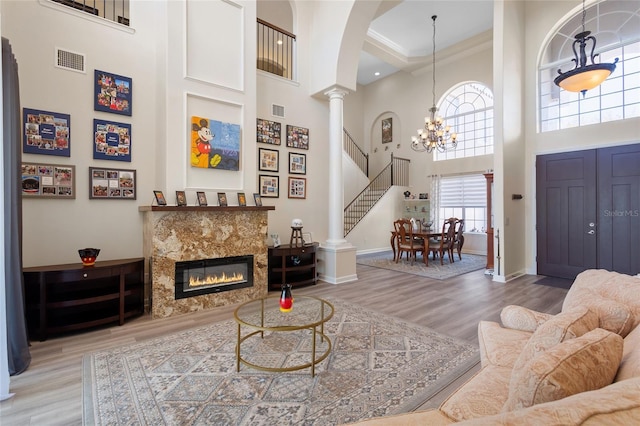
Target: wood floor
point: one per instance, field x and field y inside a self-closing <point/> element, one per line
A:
<point x="50" y="391"/>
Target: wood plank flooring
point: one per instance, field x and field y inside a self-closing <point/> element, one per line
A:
<point x="50" y="391"/>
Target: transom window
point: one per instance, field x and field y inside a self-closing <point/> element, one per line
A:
<point x="468" y="109"/>
<point x="614" y="24"/>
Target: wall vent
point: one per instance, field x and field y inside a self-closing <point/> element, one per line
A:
<point x="277" y="110"/>
<point x="70" y="60"/>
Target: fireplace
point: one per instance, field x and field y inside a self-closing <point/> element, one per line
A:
<point x="206" y="276"/>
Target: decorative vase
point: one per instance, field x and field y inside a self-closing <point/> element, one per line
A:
<point x="88" y="256"/>
<point x="286" y="299"/>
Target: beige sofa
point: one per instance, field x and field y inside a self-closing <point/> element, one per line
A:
<point x="581" y="366"/>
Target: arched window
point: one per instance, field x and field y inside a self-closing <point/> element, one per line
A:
<point x="468" y="109"/>
<point x="614" y="24"/>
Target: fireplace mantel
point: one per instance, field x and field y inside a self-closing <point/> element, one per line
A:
<point x="173" y="234"/>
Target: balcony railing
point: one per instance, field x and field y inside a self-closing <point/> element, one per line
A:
<point x="114" y="10"/>
<point x="276" y="48"/>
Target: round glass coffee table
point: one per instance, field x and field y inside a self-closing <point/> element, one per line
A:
<point x="264" y="314"/>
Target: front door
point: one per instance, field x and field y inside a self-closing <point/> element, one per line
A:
<point x="566" y="213"/>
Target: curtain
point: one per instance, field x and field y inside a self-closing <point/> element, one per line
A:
<point x="435" y="202"/>
<point x="17" y="340"/>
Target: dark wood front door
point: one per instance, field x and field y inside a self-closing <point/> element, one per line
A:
<point x="566" y="209"/>
<point x="588" y="211"/>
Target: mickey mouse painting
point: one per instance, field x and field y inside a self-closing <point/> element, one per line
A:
<point x="200" y="142"/>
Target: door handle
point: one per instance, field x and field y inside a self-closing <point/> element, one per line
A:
<point x="591" y="232"/>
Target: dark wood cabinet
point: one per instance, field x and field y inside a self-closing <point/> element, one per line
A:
<point x="69" y="297"/>
<point x="295" y="265"/>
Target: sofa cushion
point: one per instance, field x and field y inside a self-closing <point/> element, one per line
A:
<point x="565" y="325"/>
<point x="577" y="365"/>
<point x="630" y="364"/>
<point x="521" y="318"/>
<point x="498" y="345"/>
<point x="613" y="316"/>
<point x="482" y="395"/>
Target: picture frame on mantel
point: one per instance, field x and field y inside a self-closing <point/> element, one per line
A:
<point x="181" y="198"/>
<point x="202" y="198"/>
<point x="160" y="199"/>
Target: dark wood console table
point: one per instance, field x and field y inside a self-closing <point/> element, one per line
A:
<point x="61" y="298"/>
<point x="295" y="265"/>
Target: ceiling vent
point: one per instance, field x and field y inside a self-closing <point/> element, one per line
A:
<point x="70" y="60"/>
<point x="277" y="110"/>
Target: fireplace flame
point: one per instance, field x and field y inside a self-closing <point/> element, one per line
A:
<point x="216" y="279"/>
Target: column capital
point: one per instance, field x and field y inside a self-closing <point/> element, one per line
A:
<point x="336" y="92"/>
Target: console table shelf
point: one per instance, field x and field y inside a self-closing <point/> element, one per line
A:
<point x="62" y="298"/>
<point x="295" y="265"/>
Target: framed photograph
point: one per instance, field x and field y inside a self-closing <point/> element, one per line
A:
<point x="181" y="198"/>
<point x="111" y="140"/>
<point x="202" y="198"/>
<point x="257" y="199"/>
<point x="297" y="187"/>
<point x="297" y="137"/>
<point x="269" y="132"/>
<point x="242" y="200"/>
<point x="387" y="130"/>
<point x="112" y="184"/>
<point x="268" y="160"/>
<point x="269" y="186"/>
<point x="40" y="180"/>
<point x="46" y="132"/>
<point x="297" y="163"/>
<point x="222" y="199"/>
<point x="160" y="198"/>
<point x="113" y="93"/>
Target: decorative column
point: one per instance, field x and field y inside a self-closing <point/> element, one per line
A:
<point x="338" y="256"/>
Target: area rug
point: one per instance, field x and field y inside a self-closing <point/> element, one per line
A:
<point x="384" y="260"/>
<point x="378" y="365"/>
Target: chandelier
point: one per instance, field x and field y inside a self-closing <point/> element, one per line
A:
<point x="435" y="133"/>
<point x="584" y="77"/>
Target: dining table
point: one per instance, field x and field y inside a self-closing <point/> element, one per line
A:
<point x="425" y="235"/>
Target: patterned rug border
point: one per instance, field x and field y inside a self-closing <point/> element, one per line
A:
<point x="324" y="414"/>
<point x="384" y="260"/>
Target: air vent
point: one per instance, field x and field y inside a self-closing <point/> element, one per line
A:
<point x="277" y="110"/>
<point x="69" y="60"/>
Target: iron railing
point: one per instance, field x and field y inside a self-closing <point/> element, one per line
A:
<point x="355" y="152"/>
<point x="114" y="10"/>
<point x="275" y="49"/>
<point x="395" y="173"/>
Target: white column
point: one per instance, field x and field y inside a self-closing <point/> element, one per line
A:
<point x="336" y="184"/>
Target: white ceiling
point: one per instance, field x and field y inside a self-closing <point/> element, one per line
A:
<point x="401" y="37"/>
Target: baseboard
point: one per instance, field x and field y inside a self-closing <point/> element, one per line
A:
<point x="341" y="280"/>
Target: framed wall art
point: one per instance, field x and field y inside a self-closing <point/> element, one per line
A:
<point x="269" y="132"/>
<point x="46" y="132"/>
<point x="297" y="187"/>
<point x="40" y="180"/>
<point x="159" y="196"/>
<point x="111" y="140"/>
<point x="387" y="130"/>
<point x="214" y="144"/>
<point x="297" y="163"/>
<point x="297" y="137"/>
<point x="269" y="186"/>
<point x="112" y="184"/>
<point x="113" y="93"/>
<point x="268" y="160"/>
<point x="202" y="198"/>
<point x="242" y="200"/>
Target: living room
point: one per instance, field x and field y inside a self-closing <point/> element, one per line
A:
<point x="153" y="56"/>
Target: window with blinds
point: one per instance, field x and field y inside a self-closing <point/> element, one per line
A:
<point x="465" y="197"/>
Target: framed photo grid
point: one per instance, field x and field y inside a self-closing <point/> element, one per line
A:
<point x="269" y="186"/>
<point x="268" y="160"/>
<point x="46" y="132"/>
<point x="269" y="132"/>
<point x="297" y="163"/>
<point x="297" y="187"/>
<point x="40" y="180"/>
<point x="113" y="93"/>
<point x="112" y="141"/>
<point x="112" y="184"/>
<point x="297" y="137"/>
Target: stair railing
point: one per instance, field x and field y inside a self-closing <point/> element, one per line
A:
<point x="355" y="152"/>
<point x="394" y="173"/>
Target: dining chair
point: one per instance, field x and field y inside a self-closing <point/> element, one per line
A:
<point x="406" y="243"/>
<point x="458" y="241"/>
<point x="444" y="243"/>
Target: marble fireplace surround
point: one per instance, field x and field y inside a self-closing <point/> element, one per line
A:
<point x="172" y="234"/>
